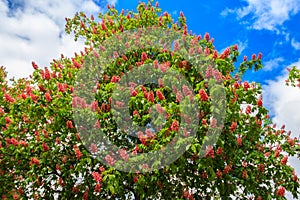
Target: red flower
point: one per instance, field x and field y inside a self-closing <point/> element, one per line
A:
<point x="160" y="95"/>
<point x="135" y="179"/>
<point x="253" y="56"/>
<point x="233" y="126"/>
<point x="14" y="141"/>
<point x="156" y="4"/>
<point x="34" y="161"/>
<point x="261" y="168"/>
<point x="245" y="58"/>
<point x="136" y="113"/>
<point x="239" y="141"/>
<point x="45" y="147"/>
<point x="203" y="95"/>
<point x="144" y="56"/>
<point x="175" y="126"/>
<point x="248" y="109"/>
<point x="97" y="188"/>
<point x="76" y="64"/>
<point x="206" y="36"/>
<point x="48" y="97"/>
<point x="259" y="56"/>
<point x="260" y="102"/>
<point x="280" y="191"/>
<point x="9" y="98"/>
<point x="97" y="177"/>
<point x="69" y="124"/>
<point x="209" y="151"/>
<point x="150" y="96"/>
<point x="219" y="173"/>
<point x="246" y="85"/>
<point x="115" y="79"/>
<point x="284" y="160"/>
<point x="34" y="65"/>
<point x="219" y="151"/>
<point x="204" y="175"/>
<point x="77" y="152"/>
<point x="8" y="120"/>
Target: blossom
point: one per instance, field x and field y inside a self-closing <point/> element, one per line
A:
<point x="284" y="160"/>
<point x="260" y="102"/>
<point x="45" y="147"/>
<point x="93" y="148"/>
<point x="97" y="176"/>
<point x="175" y="125"/>
<point x="219" y="151"/>
<point x="110" y="160"/>
<point x="203" y="95"/>
<point x="253" y="56"/>
<point x="259" y="56"/>
<point x="233" y="126"/>
<point x="144" y="56"/>
<point x="206" y="36"/>
<point x="261" y="168"/>
<point x="34" y="160"/>
<point x="209" y="152"/>
<point x="115" y="79"/>
<point x="160" y="95"/>
<point x="246" y="85"/>
<point x="239" y="141"/>
<point x="150" y="96"/>
<point x="280" y="191"/>
<point x="123" y="154"/>
<point x="77" y="152"/>
<point x="69" y="124"/>
<point x="9" y="98"/>
<point x="219" y="173"/>
<point x="248" y="109"/>
<point x="48" y="97"/>
<point x="97" y="188"/>
<point x="178" y="96"/>
<point x="135" y="179"/>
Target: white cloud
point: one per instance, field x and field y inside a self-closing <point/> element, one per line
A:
<point x="33" y="30"/>
<point x="295" y="44"/>
<point x="267" y="14"/>
<point x="272" y="64"/>
<point x="284" y="103"/>
<point x="242" y="45"/>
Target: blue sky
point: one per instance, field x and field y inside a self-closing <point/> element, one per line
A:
<point x="33" y="30"/>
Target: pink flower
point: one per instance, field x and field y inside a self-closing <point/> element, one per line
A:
<point x="178" y="96"/>
<point x="123" y="154"/>
<point x="164" y="66"/>
<point x="159" y="108"/>
<point x="93" y="148"/>
<point x="111" y="161"/>
<point x="209" y="152"/>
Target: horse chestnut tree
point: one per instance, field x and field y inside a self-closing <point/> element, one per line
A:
<point x="43" y="156"/>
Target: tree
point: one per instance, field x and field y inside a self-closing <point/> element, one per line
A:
<point x="44" y="154"/>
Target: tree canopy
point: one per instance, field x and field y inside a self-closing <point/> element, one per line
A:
<point x="228" y="145"/>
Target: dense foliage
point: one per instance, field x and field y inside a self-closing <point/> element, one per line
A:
<point x="42" y="155"/>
